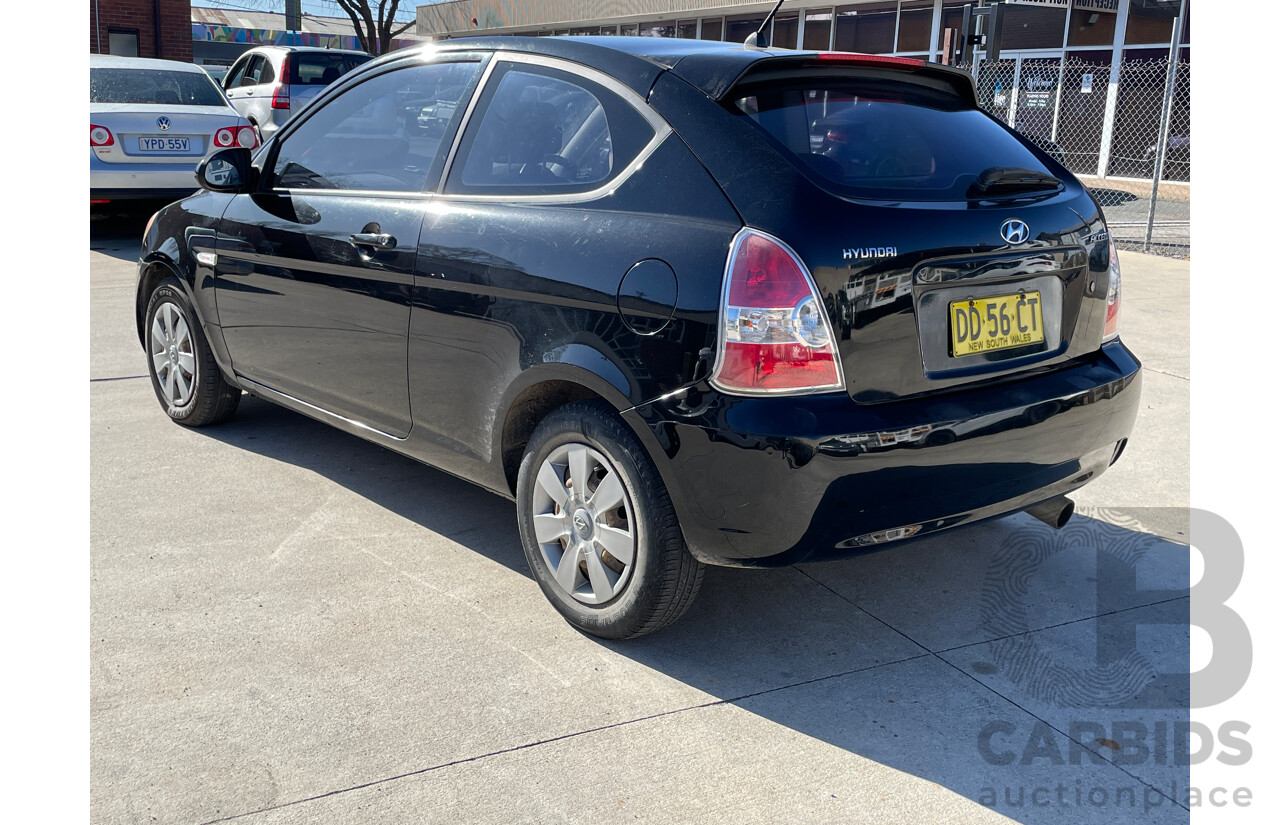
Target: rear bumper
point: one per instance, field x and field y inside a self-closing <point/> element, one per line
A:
<point x="760" y="482"/>
<point x="120" y="181"/>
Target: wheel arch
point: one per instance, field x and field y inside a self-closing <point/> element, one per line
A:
<point x="580" y="372"/>
<point x="151" y="271"/>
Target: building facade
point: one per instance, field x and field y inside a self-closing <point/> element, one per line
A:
<point x="141" y="28"/>
<point x="915" y="28"/>
<point x="220" y="35"/>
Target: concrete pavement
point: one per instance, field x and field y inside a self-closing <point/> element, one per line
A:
<point x="291" y="625"/>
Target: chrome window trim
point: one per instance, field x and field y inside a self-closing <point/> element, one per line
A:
<point x="661" y="129"/>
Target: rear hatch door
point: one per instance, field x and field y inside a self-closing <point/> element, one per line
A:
<point x="947" y="248"/>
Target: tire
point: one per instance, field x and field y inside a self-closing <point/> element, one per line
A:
<point x="186" y="379"/>
<point x="601" y="593"/>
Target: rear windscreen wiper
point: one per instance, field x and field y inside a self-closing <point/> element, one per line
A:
<point x="1003" y="180"/>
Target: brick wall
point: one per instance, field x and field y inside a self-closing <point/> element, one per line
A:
<point x="140" y="16"/>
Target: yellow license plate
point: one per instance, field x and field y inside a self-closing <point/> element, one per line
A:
<point x="996" y="323"/>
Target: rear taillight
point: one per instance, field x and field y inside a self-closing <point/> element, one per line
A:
<point x="280" y="97"/>
<point x="100" y="136"/>
<point x="243" y="136"/>
<point x="1112" y="329"/>
<point x="775" y="337"/>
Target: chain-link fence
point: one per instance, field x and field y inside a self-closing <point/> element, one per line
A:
<point x="1114" y="141"/>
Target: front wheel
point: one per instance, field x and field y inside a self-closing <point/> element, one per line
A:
<point x="184" y="375"/>
<point x="598" y="528"/>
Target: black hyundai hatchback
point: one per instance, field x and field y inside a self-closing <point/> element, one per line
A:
<point x="685" y="302"/>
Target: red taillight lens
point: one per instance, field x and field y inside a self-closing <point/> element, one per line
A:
<point x="775" y="336"/>
<point x="100" y="136"/>
<point x="1112" y="329"/>
<point x="280" y="97"/>
<point x="225" y="137"/>
<point x="246" y="137"/>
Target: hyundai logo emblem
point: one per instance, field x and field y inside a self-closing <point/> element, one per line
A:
<point x="163" y="123"/>
<point x="1015" y="231"/>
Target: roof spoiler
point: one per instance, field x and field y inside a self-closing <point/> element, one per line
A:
<point x="799" y="64"/>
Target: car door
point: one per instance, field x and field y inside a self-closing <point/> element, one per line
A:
<point x="525" y="247"/>
<point x="242" y="81"/>
<point x="315" y="270"/>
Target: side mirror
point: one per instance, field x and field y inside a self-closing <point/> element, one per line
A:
<point x="227" y="170"/>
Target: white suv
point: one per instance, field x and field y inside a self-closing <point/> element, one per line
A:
<point x="269" y="83"/>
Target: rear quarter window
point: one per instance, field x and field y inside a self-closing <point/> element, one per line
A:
<point x="881" y="140"/>
<point x="544" y="131"/>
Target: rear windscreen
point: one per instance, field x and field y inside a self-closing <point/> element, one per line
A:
<point x="320" y="69"/>
<point x="881" y="140"/>
<point x="153" y="86"/>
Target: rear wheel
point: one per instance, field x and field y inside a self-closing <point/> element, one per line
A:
<point x="184" y="375"/>
<point x="598" y="528"/>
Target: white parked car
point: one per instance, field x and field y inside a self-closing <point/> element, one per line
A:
<point x="268" y="84"/>
<point x="150" y="123"/>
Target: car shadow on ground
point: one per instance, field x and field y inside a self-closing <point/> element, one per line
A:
<point x="991" y="660"/>
<point x="117" y="230"/>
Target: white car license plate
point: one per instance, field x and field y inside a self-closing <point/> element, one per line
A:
<point x="164" y="144"/>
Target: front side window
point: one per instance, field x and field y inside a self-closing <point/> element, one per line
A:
<point x="379" y="135"/>
<point x="547" y="131"/>
<point x="236" y="74"/>
<point x="252" y="71"/>
<point x="153" y="86"/>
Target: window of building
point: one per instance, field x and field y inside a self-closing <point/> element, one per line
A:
<point x="123" y="42"/>
<point x="545" y="131"/>
<point x="817" y="30"/>
<point x="1151" y="21"/>
<point x="786" y="30"/>
<point x="1033" y="27"/>
<point x="687" y="29"/>
<point x="657" y="29"/>
<point x="953" y="13"/>
<point x="738" y="27"/>
<point x="915" y="26"/>
<point x="870" y="28"/>
<point x="630" y="29"/>
<point x="1092" y="28"/>
<point x="712" y="28"/>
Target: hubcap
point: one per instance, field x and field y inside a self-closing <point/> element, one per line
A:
<point x="584" y="523"/>
<point x="173" y="355"/>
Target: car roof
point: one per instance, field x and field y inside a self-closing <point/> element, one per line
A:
<point x="273" y="48"/>
<point x="709" y="65"/>
<point x="111" y="61"/>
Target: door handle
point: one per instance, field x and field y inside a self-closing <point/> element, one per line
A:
<point x="378" y="240"/>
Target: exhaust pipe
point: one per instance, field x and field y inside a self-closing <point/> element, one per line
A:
<point x="1055" y="512"/>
